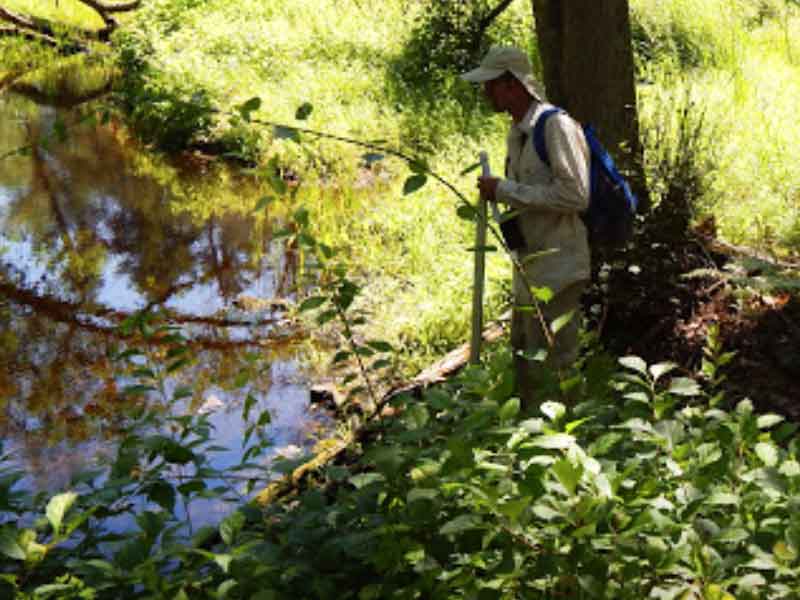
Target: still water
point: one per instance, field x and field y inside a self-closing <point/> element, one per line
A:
<point x="94" y="229"/>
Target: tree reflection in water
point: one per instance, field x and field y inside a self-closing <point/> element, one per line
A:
<point x="92" y="230"/>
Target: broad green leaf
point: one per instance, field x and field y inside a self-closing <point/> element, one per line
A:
<point x="751" y="581"/>
<point x="634" y="363"/>
<point x="253" y="104"/>
<point x="380" y="345"/>
<point x="605" y="443"/>
<point x="768" y="453"/>
<point x="303" y="111"/>
<point x="661" y="369"/>
<point x="467" y="213"/>
<point x="414" y="183"/>
<point x="461" y="524"/>
<point x="224" y="561"/>
<point x="559" y="323"/>
<point x="553" y="410"/>
<point x="769" y="420"/>
<point x="262" y="203"/>
<point x="723" y="499"/>
<point x="231" y="526"/>
<point x="364" y="479"/>
<point x="567" y="474"/>
<point x="510" y="409"/>
<point x="372" y="157"/>
<point x="542" y="294"/>
<point x="57" y="507"/>
<point x="282" y="132"/>
<point x="556" y="441"/>
<point x="683" y="386"/>
<point x="9" y="545"/>
<point x="312" y="303"/>
<point x="790" y="468"/>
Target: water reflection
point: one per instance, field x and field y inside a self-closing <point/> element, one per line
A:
<point x="91" y="231"/>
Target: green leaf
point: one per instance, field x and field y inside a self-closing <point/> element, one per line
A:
<point x="683" y="386"/>
<point x="559" y="323"/>
<point x="312" y="303"/>
<point x="751" y="581"/>
<point x="542" y="294"/>
<point x="553" y="410"/>
<point x="768" y="421"/>
<point x="461" y="524"/>
<point x="282" y="132"/>
<point x="414" y="183"/>
<point x="224" y="561"/>
<point x="661" y="369"/>
<point x="372" y="157"/>
<point x="380" y="345"/>
<point x="262" y="203"/>
<point x="510" y="409"/>
<point x="364" y="479"/>
<point x="467" y="213"/>
<point x="249" y="402"/>
<point x="57" y="507"/>
<point x="768" y="453"/>
<point x="162" y="493"/>
<point x="9" y="545"/>
<point x="634" y="363"/>
<point x="303" y="111"/>
<point x="567" y="474"/>
<point x="252" y="105"/>
<point x="555" y="441"/>
<point x="231" y="526"/>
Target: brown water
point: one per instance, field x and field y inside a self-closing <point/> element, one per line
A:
<point x="93" y="229"/>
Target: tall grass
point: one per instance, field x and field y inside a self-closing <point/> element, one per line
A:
<point x="740" y="63"/>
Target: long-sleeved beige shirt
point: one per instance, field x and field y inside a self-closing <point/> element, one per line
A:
<point x="549" y="198"/>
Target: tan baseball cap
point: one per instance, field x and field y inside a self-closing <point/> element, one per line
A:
<point x="500" y="59"/>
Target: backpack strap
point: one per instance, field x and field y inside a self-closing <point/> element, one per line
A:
<point x="538" y="133"/>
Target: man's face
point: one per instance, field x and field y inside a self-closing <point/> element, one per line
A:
<point x="497" y="93"/>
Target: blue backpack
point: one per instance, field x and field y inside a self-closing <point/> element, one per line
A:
<point x="612" y="204"/>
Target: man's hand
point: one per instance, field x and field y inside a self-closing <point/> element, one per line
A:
<point x="488" y="187"/>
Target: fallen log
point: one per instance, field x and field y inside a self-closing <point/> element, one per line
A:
<point x="327" y="450"/>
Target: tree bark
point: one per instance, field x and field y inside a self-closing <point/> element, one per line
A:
<point x="28" y="27"/>
<point x="587" y="60"/>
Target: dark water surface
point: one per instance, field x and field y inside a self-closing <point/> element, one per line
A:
<point x="92" y="230"/>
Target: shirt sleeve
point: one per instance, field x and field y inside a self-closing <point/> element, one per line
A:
<point x="568" y="189"/>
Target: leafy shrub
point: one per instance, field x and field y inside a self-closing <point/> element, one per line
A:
<point x="166" y="112"/>
<point x="649" y="487"/>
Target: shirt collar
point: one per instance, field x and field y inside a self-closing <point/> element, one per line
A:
<point x="524" y="126"/>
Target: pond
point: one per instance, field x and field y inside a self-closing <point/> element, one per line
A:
<point x="94" y="229"/>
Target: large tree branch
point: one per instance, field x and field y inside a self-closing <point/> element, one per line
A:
<point x="102" y="7"/>
<point x="25" y="23"/>
<point x="493" y="14"/>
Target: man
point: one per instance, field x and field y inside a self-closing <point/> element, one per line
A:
<point x="549" y="200"/>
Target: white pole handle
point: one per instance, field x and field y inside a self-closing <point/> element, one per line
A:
<point x="487" y="172"/>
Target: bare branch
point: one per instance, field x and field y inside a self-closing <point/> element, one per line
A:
<point x="493" y="14"/>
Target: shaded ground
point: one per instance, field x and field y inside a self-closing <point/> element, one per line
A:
<point x="657" y="312"/>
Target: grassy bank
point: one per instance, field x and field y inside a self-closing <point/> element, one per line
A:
<point x="728" y="69"/>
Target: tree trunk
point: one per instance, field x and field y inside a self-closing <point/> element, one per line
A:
<point x="587" y="61"/>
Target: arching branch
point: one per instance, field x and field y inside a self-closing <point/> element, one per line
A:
<point x="493" y="14"/>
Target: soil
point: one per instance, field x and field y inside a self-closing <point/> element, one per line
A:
<point x="650" y="308"/>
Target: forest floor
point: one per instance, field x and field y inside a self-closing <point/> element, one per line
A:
<point x="661" y="314"/>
